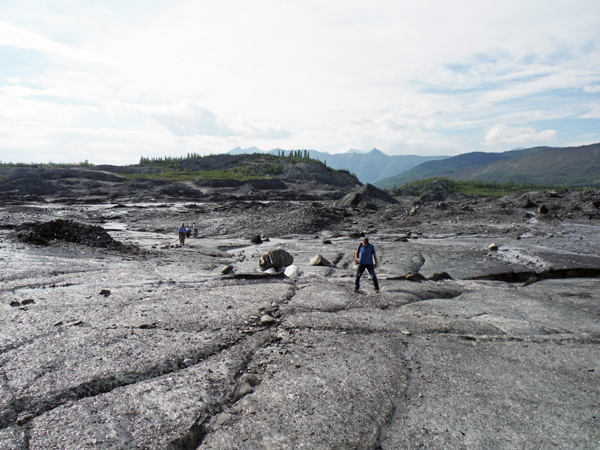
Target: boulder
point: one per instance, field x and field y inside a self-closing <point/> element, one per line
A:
<point x="256" y="240"/>
<point x="276" y="259"/>
<point x="493" y="247"/>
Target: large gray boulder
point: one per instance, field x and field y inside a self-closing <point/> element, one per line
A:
<point x="365" y="195"/>
<point x="276" y="259"/>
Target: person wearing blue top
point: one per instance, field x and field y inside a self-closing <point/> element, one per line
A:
<point x="364" y="257"/>
<point x="182" y="233"/>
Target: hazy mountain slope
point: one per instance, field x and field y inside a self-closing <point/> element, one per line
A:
<point x="368" y="167"/>
<point x="573" y="166"/>
<point x="451" y="167"/>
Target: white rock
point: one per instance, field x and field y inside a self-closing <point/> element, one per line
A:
<point x="292" y="271"/>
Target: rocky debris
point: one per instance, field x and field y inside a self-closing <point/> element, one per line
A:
<point x="319" y="173"/>
<point x="152" y="367"/>
<point x="542" y="209"/>
<point x="277" y="259"/>
<point x="528" y="203"/>
<point x="367" y="194"/>
<point x="67" y="231"/>
<point x="326" y="241"/>
<point x="256" y="239"/>
<point x="493" y="247"/>
<point x="319" y="260"/>
<point x="134" y="169"/>
<point x="105" y="292"/>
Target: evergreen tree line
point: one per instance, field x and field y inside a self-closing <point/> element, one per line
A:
<point x="161" y="160"/>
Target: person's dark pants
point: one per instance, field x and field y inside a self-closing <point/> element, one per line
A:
<point x="181" y="238"/>
<point x="359" y="272"/>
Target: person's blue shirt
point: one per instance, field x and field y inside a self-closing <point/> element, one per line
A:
<point x="365" y="253"/>
<point x="182" y="229"/>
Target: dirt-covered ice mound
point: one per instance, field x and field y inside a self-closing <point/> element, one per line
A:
<point x="366" y="195"/>
<point x="66" y="231"/>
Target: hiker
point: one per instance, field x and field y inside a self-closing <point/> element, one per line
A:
<point x="365" y="254"/>
<point x="195" y="230"/>
<point x="182" y="233"/>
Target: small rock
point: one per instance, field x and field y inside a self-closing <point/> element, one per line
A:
<point x="105" y="292"/>
<point x="267" y="320"/>
<point x="222" y="419"/>
<point x="414" y="277"/>
<point x="242" y="389"/>
<point x="225" y="270"/>
<point x="15" y="303"/>
<point x="27" y="301"/>
<point x="256" y="240"/>
<point x="319" y="261"/>
<point x="274" y="305"/>
<point x="530" y="281"/>
<point x="440" y="276"/>
<point x="542" y="209"/>
<point x="58" y="324"/>
<point x="292" y="271"/>
<point x="188" y="362"/>
<point x="493" y="247"/>
<point x="326" y="241"/>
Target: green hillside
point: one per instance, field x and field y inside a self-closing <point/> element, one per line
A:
<point x="570" y="166"/>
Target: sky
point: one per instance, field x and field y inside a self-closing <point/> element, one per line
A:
<point x="110" y="81"/>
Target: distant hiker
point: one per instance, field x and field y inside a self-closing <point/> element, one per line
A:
<point x="182" y="233"/>
<point x="365" y="254"/>
<point x="195" y="230"/>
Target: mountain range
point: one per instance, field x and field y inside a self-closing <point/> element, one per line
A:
<point x="569" y="166"/>
<point x="367" y="166"/>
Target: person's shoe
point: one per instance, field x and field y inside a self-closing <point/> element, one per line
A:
<point x="377" y="291"/>
<point x="355" y="290"/>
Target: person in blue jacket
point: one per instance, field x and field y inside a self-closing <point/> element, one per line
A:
<point x="182" y="233"/>
<point x="364" y="257"/>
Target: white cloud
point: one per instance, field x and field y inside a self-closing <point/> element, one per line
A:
<point x="251" y="129"/>
<point x="592" y="89"/>
<point x="593" y="114"/>
<point x="506" y="135"/>
<point x="184" y="118"/>
<point x="13" y="36"/>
